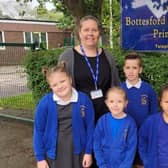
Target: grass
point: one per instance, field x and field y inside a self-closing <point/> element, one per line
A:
<point x="21" y="102"/>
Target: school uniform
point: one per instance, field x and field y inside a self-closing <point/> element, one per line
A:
<point x="153" y="140"/>
<point x="63" y="130"/>
<point x="142" y="100"/>
<point x="115" y="142"/>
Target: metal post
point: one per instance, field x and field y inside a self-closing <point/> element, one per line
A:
<point x="111" y="24"/>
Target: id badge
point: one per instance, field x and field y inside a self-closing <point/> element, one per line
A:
<point x="96" y="94"/>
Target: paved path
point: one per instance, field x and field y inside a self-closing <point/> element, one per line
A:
<point x="16" y="149"/>
<point x="13" y="81"/>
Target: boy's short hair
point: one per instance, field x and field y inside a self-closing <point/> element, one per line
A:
<point x="133" y="56"/>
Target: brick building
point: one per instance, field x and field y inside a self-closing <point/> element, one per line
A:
<point x="20" y="32"/>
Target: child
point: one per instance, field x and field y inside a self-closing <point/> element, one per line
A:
<point x="115" y="135"/>
<point x="153" y="136"/>
<point x="142" y="99"/>
<point x="64" y="124"/>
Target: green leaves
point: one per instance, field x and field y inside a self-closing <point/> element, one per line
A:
<point x="34" y="63"/>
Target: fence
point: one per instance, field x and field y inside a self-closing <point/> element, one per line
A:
<point x="13" y="81"/>
<point x="69" y="41"/>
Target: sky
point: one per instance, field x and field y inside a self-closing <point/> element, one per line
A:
<point x="14" y="8"/>
<point x="49" y="5"/>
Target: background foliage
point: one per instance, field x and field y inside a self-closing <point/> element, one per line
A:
<point x="34" y="62"/>
<point x="155" y="64"/>
<point x="154" y="71"/>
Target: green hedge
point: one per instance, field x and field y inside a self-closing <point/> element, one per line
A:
<point x="155" y="69"/>
<point x="33" y="63"/>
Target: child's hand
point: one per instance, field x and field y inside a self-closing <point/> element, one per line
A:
<point x="42" y="164"/>
<point x="87" y="160"/>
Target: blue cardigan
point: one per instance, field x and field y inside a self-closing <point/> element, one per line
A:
<point x="46" y="126"/>
<point x="118" y="152"/>
<point x="148" y="141"/>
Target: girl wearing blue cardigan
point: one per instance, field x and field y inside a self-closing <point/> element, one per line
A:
<point x="115" y="135"/>
<point x="64" y="124"/>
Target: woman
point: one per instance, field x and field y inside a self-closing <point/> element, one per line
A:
<point x="93" y="69"/>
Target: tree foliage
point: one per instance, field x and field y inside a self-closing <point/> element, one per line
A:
<point x="79" y="8"/>
<point x="73" y="10"/>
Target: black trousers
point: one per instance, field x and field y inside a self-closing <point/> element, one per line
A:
<point x="94" y="165"/>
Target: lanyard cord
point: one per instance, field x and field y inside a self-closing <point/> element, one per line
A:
<point x="94" y="76"/>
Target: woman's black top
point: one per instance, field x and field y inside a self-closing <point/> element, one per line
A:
<point x="84" y="80"/>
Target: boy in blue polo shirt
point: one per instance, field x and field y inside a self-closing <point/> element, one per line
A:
<point x="142" y="99"/>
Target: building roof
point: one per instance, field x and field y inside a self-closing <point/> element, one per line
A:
<point x="28" y="25"/>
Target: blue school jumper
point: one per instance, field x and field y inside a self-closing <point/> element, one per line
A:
<point x="46" y="126"/>
<point x="115" y="149"/>
<point x="141" y="101"/>
<point x="148" y="141"/>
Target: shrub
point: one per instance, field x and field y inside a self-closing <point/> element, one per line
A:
<point x="154" y="68"/>
<point x="34" y="62"/>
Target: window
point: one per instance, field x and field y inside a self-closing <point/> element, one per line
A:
<point x="27" y="37"/>
<point x="36" y="39"/>
<point x="2" y="40"/>
<point x="39" y="38"/>
<point x="44" y="43"/>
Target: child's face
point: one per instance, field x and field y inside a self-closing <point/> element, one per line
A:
<point x="132" y="70"/>
<point x="116" y="103"/>
<point x="60" y="84"/>
<point x="164" y="102"/>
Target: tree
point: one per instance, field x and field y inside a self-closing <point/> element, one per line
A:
<point x="79" y="8"/>
<point x="76" y="8"/>
<point x="98" y="8"/>
<point x="73" y="10"/>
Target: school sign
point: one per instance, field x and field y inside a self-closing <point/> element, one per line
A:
<point x="144" y="25"/>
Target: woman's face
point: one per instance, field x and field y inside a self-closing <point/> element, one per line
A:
<point x="89" y="33"/>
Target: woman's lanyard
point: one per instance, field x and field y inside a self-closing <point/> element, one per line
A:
<point x="94" y="75"/>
